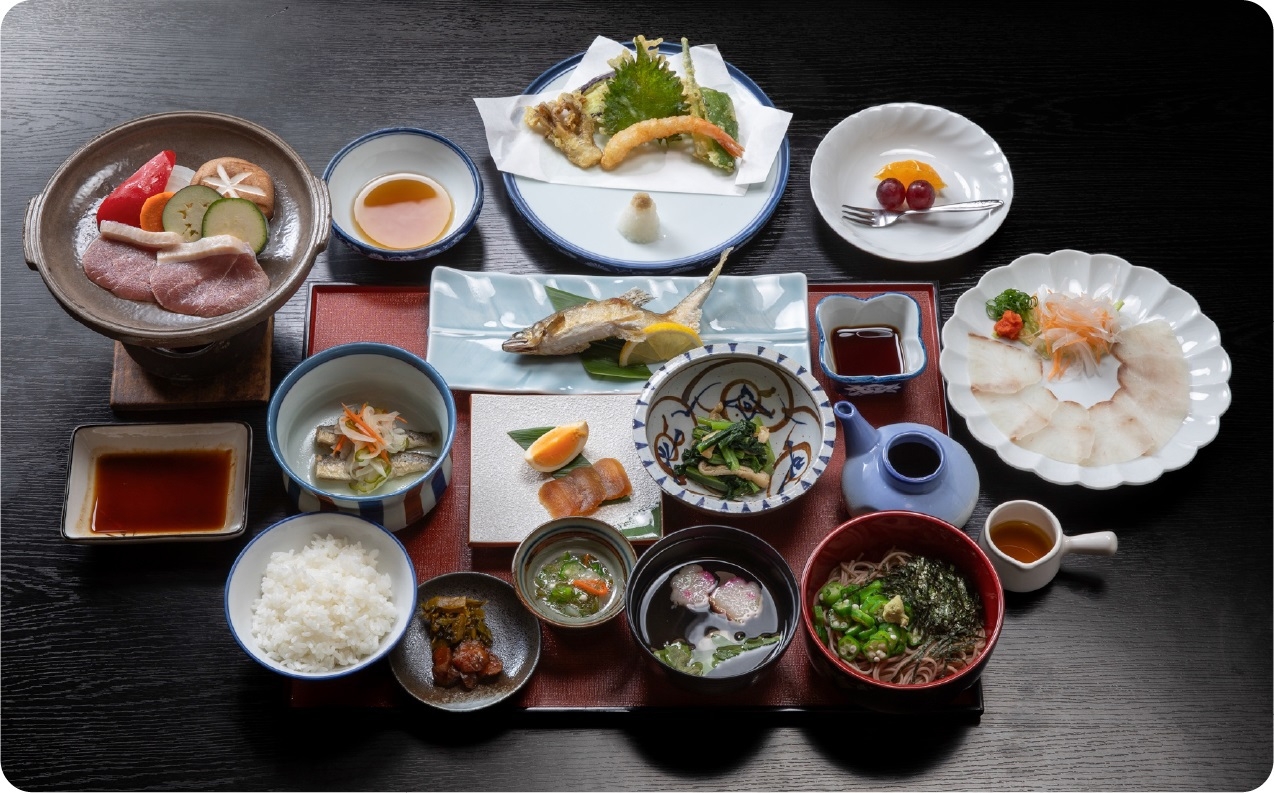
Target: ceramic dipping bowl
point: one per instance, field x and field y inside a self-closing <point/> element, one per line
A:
<point x="61" y="222"/>
<point x="739" y="590"/>
<point x="244" y="588"/>
<point x="386" y="377"/>
<point x="869" y="538"/>
<point x="880" y="336"/>
<point x="748" y="381"/>
<point x="402" y="150"/>
<point x="579" y="537"/>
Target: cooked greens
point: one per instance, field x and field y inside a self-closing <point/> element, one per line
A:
<point x="1019" y="303"/>
<point x="713" y="105"/>
<point x="643" y="87"/>
<point x="733" y="458"/>
<point x="684" y="657"/>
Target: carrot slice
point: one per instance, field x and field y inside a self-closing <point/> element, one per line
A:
<point x="591" y="586"/>
<point x="152" y="217"/>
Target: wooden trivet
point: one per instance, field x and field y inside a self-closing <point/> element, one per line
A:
<point x="245" y="383"/>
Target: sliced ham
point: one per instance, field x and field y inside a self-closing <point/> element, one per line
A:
<point x="583" y="490"/>
<point x="121" y="268"/>
<point x="208" y="278"/>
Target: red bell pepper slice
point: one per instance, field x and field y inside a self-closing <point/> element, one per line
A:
<point x="124" y="204"/>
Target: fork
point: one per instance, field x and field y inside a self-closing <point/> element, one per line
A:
<point x="876" y="218"/>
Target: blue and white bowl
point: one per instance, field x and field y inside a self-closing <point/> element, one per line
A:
<point x="395" y="150"/>
<point x="893" y="309"/>
<point x="244" y="584"/>
<point x="386" y="377"/>
<point x="748" y="380"/>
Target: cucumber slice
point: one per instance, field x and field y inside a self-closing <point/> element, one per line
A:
<point x="185" y="210"/>
<point x="237" y="217"/>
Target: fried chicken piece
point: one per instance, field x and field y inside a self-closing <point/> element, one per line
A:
<point x="565" y="123"/>
<point x="470" y="657"/>
<point x="444" y="673"/>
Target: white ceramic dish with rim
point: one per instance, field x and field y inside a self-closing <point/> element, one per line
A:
<point x="243" y="585"/>
<point x="965" y="156"/>
<point x="581" y="222"/>
<point x="749" y="381"/>
<point x="90" y="441"/>
<point x="397" y="150"/>
<point x="508" y="519"/>
<point x="894" y="310"/>
<point x="387" y="377"/>
<point x="1147" y="295"/>
<point x="471" y="314"/>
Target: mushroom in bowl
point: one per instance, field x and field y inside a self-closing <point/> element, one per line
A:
<point x="734" y="428"/>
<point x="901" y="610"/>
<point x="364" y="428"/>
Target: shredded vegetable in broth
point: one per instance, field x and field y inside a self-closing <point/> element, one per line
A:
<point x="371" y="435"/>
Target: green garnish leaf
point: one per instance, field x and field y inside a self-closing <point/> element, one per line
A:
<point x="1019" y="303"/>
<point x="643" y="87"/>
<point x="712" y="105"/>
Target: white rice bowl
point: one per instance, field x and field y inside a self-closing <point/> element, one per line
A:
<point x="321" y="595"/>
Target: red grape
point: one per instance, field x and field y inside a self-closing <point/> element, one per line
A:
<point x="891" y="193"/>
<point x="920" y="194"/>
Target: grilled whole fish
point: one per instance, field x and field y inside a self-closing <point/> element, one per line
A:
<point x="573" y="329"/>
<point x="328" y="434"/>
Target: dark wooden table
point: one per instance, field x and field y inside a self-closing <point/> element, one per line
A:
<point x="1138" y="133"/>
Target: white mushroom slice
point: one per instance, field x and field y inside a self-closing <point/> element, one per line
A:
<point x="759" y="478"/>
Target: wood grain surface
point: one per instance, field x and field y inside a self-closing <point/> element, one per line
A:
<point x="1133" y="131"/>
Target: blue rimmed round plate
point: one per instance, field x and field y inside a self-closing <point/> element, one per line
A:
<point x="582" y="222"/>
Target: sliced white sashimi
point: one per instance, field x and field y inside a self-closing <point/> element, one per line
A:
<point x="1067" y="438"/>
<point x="1019" y="413"/>
<point x="1118" y="435"/>
<point x="1001" y="368"/>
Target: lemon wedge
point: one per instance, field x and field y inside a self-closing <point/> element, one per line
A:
<point x="663" y="340"/>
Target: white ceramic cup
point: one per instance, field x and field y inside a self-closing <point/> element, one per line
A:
<point x="1018" y="576"/>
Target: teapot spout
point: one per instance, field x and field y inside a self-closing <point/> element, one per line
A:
<point x="860" y="436"/>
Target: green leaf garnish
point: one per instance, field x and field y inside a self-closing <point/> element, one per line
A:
<point x="643" y="87"/>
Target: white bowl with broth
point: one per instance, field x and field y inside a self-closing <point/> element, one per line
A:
<point x="402" y="194"/>
<point x="389" y="379"/>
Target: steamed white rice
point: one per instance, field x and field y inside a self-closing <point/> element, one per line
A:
<point x="323" y="607"/>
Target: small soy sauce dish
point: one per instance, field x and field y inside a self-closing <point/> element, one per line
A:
<point x="870" y="345"/>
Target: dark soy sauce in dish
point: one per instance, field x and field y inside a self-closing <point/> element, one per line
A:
<point x="873" y="350"/>
<point x="161" y="491"/>
<point x="663" y="621"/>
<point x="1022" y="540"/>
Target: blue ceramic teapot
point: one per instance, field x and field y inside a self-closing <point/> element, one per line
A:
<point x="905" y="466"/>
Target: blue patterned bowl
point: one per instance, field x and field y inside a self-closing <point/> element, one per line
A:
<point x="403" y="149"/>
<point x="748" y="381"/>
<point x="894" y="310"/>
<point x="381" y="375"/>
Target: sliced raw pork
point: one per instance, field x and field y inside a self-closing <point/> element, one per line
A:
<point x="122" y="268"/>
<point x="208" y="278"/>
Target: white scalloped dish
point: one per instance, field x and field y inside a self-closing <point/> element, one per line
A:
<point x="1146" y="296"/>
<point x="964" y="155"/>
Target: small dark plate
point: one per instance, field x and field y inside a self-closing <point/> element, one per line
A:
<point x="515" y="634"/>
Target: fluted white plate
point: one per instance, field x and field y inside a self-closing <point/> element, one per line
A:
<point x="1147" y="295"/>
<point x="968" y="160"/>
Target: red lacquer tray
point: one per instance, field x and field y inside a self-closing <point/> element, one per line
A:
<point x="600" y="669"/>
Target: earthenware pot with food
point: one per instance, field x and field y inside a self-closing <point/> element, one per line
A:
<point x="905" y="466"/>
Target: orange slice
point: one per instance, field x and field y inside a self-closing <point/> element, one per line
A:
<point x="908" y="171"/>
<point x="557" y="447"/>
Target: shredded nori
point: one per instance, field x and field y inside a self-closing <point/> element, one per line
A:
<point x="945" y="612"/>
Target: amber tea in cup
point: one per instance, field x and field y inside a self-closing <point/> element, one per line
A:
<point x="1022" y="540"/>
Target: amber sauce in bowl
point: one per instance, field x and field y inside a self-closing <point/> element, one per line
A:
<point x="402" y="211"/>
<point x="1022" y="540"/>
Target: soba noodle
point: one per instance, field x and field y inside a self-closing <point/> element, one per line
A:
<point x="914" y="665"/>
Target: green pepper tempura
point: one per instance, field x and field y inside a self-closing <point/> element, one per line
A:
<point x="732" y="458"/>
<point x="574" y="586"/>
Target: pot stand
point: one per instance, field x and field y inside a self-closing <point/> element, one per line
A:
<point x="226" y="373"/>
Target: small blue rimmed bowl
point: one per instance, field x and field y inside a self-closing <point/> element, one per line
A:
<point x="749" y="381"/>
<point x="322" y="646"/>
<point x="386" y="377"/>
<point x="882" y="334"/>
<point x="404" y="150"/>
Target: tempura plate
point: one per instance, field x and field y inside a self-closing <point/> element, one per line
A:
<point x="1147" y="295"/>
